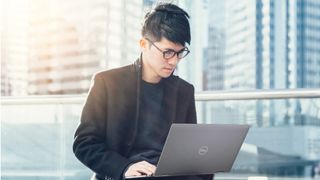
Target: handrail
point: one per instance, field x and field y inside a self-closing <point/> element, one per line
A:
<point x="199" y="96"/>
<point x="43" y="99"/>
<point x="257" y="94"/>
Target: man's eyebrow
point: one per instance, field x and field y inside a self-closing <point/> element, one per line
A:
<point x="169" y="49"/>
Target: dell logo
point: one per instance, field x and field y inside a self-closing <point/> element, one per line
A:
<point x="203" y="150"/>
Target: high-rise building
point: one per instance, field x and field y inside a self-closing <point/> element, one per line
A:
<point x="213" y="66"/>
<point x="191" y="68"/>
<point x="243" y="54"/>
<point x="14" y="48"/>
<point x="273" y="44"/>
<point x="303" y="52"/>
<point x="256" y="54"/>
<point x="68" y="47"/>
<point x="304" y="36"/>
<point x="214" y="59"/>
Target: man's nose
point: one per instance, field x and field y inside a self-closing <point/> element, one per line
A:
<point x="174" y="60"/>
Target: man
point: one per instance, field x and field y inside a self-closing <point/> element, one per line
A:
<point x="129" y="110"/>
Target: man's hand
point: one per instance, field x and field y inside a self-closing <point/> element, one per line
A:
<point x="140" y="168"/>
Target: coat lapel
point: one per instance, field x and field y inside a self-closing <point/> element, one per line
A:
<point x="134" y="83"/>
<point x="170" y="98"/>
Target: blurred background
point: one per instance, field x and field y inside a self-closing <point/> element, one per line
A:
<point x="51" y="48"/>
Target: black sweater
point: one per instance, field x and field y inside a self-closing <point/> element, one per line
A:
<point x="153" y="127"/>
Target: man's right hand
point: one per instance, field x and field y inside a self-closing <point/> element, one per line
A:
<point x="140" y="168"/>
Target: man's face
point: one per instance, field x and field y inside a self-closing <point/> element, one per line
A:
<point x="155" y="63"/>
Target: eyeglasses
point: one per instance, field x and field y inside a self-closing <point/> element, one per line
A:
<point x="170" y="53"/>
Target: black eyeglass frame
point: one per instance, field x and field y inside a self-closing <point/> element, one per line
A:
<point x="165" y="53"/>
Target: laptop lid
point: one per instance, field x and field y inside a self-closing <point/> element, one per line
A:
<point x="193" y="149"/>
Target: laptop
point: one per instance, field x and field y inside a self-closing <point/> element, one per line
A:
<point x="195" y="149"/>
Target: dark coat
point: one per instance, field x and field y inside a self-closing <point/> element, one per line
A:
<point x="109" y="118"/>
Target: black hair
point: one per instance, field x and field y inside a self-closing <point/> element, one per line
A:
<point x="169" y="21"/>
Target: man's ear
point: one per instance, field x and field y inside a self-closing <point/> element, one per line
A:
<point x="143" y="44"/>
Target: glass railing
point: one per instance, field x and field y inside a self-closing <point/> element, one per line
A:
<point x="283" y="141"/>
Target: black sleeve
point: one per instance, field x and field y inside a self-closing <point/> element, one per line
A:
<point x="90" y="137"/>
